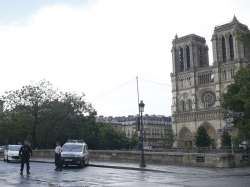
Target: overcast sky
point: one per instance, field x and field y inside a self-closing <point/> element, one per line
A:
<point x="99" y="47"/>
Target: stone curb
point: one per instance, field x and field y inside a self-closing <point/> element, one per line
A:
<point x="128" y="168"/>
<point x="109" y="166"/>
<point x="106" y="166"/>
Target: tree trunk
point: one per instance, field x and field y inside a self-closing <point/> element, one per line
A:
<point x="35" y="115"/>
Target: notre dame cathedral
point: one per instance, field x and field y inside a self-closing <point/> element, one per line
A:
<point x="197" y="87"/>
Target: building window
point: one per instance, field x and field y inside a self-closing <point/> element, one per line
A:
<point x="190" y="82"/>
<point x="224" y="75"/>
<point x="212" y="77"/>
<point x="232" y="73"/>
<point x="188" y="57"/>
<point x="231" y="47"/>
<point x="208" y="99"/>
<point x="182" y="83"/>
<point x="223" y="44"/>
<point x="181" y="61"/>
<point x="182" y="106"/>
<point x="200" y="57"/>
<point x="244" y="51"/>
<point x="189" y="104"/>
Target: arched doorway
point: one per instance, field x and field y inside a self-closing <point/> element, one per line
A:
<point x="211" y="132"/>
<point x="185" y="138"/>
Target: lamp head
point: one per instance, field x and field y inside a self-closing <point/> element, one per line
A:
<point x="141" y="106"/>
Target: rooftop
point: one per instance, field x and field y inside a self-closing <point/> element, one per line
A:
<point x="231" y="24"/>
<point x="190" y="37"/>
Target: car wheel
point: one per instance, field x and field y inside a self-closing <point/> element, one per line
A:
<point x="87" y="161"/>
<point x="82" y="163"/>
<point x="63" y="164"/>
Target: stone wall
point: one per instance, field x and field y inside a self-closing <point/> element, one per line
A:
<point x="220" y="160"/>
<point x="43" y="153"/>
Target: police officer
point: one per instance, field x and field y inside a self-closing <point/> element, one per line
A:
<point x="25" y="152"/>
<point x="58" y="159"/>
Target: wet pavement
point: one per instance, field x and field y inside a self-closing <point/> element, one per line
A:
<point x="43" y="174"/>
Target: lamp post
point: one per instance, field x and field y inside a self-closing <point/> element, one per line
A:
<point x="141" y="110"/>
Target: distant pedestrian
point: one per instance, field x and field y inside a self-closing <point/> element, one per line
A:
<point x="58" y="159"/>
<point x="25" y="152"/>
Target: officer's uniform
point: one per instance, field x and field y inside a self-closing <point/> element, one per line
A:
<point x="25" y="152"/>
<point x="58" y="161"/>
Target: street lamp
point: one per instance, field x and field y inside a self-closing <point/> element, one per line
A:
<point x="141" y="110"/>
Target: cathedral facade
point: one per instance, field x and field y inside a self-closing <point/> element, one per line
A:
<point x="197" y="87"/>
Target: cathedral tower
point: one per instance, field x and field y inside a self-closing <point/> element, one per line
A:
<point x="197" y="87"/>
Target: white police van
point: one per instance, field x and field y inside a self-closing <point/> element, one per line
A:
<point x="75" y="152"/>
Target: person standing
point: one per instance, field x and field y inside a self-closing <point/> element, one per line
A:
<point x="25" y="152"/>
<point x="58" y="159"/>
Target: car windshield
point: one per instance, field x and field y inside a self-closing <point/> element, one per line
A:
<point x="14" y="147"/>
<point x="72" y="148"/>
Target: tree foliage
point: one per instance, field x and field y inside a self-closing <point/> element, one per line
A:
<point x="133" y="142"/>
<point x="245" y="39"/>
<point x="202" y="138"/>
<point x="44" y="115"/>
<point x="111" y="138"/>
<point x="29" y="100"/>
<point x="226" y="139"/>
<point x="237" y="99"/>
<point x="168" y="138"/>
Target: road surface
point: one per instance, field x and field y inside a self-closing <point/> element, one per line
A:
<point x="43" y="174"/>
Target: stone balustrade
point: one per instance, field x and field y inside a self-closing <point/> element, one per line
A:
<point x="220" y="160"/>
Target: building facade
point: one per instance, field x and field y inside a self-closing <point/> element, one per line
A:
<point x="197" y="87"/>
<point x="157" y="129"/>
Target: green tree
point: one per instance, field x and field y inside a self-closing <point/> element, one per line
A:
<point x="133" y="142"/>
<point x="68" y="117"/>
<point x="237" y="99"/>
<point x="226" y="139"/>
<point x="29" y="99"/>
<point x="202" y="138"/>
<point x="14" y="126"/>
<point x="245" y="39"/>
<point x="110" y="138"/>
<point x="168" y="139"/>
<point x="45" y="114"/>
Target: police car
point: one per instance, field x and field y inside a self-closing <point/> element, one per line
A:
<point x="75" y="152"/>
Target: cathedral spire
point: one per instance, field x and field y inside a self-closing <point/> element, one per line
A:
<point x="235" y="20"/>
